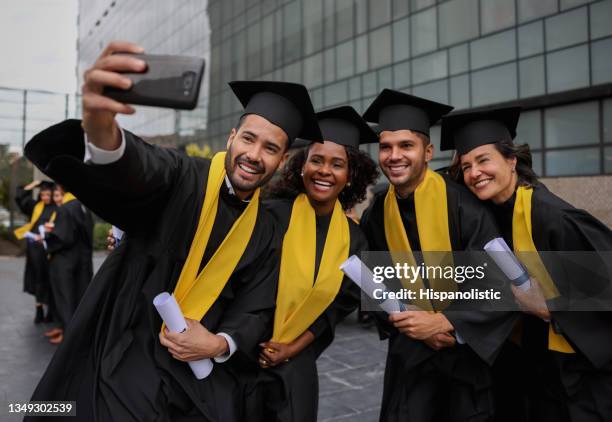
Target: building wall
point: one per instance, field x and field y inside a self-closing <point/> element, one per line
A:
<point x="469" y="53"/>
<point x="161" y="27"/>
<point x="589" y="193"/>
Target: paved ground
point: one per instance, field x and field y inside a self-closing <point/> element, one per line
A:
<point x="350" y="371"/>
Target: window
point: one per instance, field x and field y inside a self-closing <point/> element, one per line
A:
<point x="355" y="88"/>
<point x="459" y="59"/>
<point x="529" y="129"/>
<point x="385" y="78"/>
<point x="313" y="26"/>
<point x="361" y="54"/>
<point x="435" y="91"/>
<point x="401" y="40"/>
<point x="370" y="84"/>
<point x="530" y="9"/>
<point x="494" y="49"/>
<point x="401" y="75"/>
<point x="607" y="123"/>
<point x="574" y="124"/>
<point x="531" y="39"/>
<point x="432" y="66"/>
<point x="344" y="20"/>
<point x="568" y="69"/>
<point x="345" y="60"/>
<point x="421" y="4"/>
<point x="380" y="51"/>
<point x="608" y="159"/>
<point x="601" y="56"/>
<point x="460" y="91"/>
<point x="458" y="21"/>
<point x="601" y="16"/>
<point x="424" y="31"/>
<point x="400" y="8"/>
<point x="494" y="85"/>
<point x="292" y="32"/>
<point x="531" y="76"/>
<point x="496" y="15"/>
<point x="313" y="70"/>
<point x="572" y="162"/>
<point x="380" y="12"/>
<point x="329" y="56"/>
<point x="568" y="4"/>
<point x="567" y="29"/>
<point x="336" y="94"/>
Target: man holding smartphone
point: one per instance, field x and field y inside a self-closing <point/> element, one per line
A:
<point x="195" y="228"/>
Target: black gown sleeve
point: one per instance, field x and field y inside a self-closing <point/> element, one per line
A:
<point x="129" y="193"/>
<point x="24" y="201"/>
<point x="483" y="326"/>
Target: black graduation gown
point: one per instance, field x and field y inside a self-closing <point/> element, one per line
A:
<point x="111" y="361"/>
<point x="289" y="392"/>
<point x="36" y="274"/>
<point x="453" y="384"/>
<point x="582" y="380"/>
<point x="70" y="245"/>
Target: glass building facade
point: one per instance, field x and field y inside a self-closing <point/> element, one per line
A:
<point x="553" y="57"/>
<point x="160" y="27"/>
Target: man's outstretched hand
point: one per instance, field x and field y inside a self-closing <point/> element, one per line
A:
<point x="99" y="111"/>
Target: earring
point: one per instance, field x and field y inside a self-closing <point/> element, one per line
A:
<point x="348" y="184"/>
<point x="302" y="174"/>
<point x="513" y="170"/>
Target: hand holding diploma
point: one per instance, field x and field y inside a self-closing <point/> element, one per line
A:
<point x="195" y="343"/>
<point x="419" y="324"/>
<point x="532" y="300"/>
<point x="169" y="310"/>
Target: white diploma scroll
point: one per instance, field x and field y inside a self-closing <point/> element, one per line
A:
<point x="361" y="275"/>
<point x="505" y="259"/>
<point x="41" y="232"/>
<point x="118" y="235"/>
<point x="169" y="310"/>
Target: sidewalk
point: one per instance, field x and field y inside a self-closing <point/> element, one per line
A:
<point x="350" y="371"/>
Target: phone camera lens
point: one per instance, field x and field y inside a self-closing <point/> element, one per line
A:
<point x="188" y="79"/>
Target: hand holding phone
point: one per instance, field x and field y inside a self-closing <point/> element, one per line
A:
<point x="167" y="81"/>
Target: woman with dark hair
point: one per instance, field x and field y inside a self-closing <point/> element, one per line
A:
<point x="567" y="371"/>
<point x="36" y="274"/>
<point x="319" y="182"/>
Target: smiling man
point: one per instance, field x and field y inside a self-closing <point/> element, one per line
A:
<point x="194" y="227"/>
<point x="429" y="375"/>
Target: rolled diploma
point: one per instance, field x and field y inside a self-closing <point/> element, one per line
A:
<point x="361" y="275"/>
<point x="118" y="235"/>
<point x="505" y="259"/>
<point x="41" y="232"/>
<point x="169" y="310"/>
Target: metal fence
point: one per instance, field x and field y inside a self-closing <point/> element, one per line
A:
<point x="25" y="112"/>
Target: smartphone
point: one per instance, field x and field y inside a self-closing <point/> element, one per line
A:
<point x="168" y="81"/>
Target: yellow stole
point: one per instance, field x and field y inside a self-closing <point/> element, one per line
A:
<point x="299" y="303"/>
<point x="21" y="231"/>
<point x="195" y="293"/>
<point x="67" y="198"/>
<point x="432" y="222"/>
<point x="522" y="238"/>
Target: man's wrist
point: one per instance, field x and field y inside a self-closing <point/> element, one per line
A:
<point x="222" y="347"/>
<point x="445" y="325"/>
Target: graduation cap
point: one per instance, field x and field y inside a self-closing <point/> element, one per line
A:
<point x="394" y="110"/>
<point x="344" y="126"/>
<point x="46" y="185"/>
<point x="285" y="104"/>
<point x="468" y="130"/>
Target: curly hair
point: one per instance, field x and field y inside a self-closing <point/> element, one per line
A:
<point x="524" y="163"/>
<point x="362" y="173"/>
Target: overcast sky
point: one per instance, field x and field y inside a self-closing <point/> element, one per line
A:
<point x="38" y="44"/>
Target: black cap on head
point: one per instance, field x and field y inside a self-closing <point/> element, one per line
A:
<point x="468" y="130"/>
<point x="344" y="126"/>
<point x="46" y="185"/>
<point x="394" y="110"/>
<point x="285" y="104"/>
